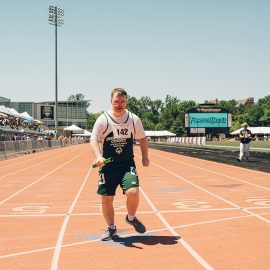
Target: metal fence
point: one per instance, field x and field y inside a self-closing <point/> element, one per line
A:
<point x="14" y="148"/>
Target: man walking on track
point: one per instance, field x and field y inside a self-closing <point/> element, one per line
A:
<point x="245" y="139"/>
<point x="112" y="137"/>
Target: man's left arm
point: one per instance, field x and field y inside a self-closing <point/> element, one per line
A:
<point x="144" y="150"/>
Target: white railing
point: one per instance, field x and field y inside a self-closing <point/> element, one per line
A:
<point x="13" y="148"/>
<point x="188" y="140"/>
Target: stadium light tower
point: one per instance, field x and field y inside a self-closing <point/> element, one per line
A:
<point x="56" y="15"/>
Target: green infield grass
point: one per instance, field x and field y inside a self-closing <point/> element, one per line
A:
<point x="255" y="145"/>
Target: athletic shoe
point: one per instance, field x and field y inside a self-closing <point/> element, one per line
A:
<point x="137" y="224"/>
<point x="110" y="234"/>
<point x="238" y="159"/>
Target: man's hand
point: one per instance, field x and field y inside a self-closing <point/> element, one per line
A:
<point x="100" y="162"/>
<point x="145" y="162"/>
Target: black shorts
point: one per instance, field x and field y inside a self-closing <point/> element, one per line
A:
<point x="109" y="181"/>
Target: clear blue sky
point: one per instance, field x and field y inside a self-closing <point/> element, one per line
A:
<point x="191" y="49"/>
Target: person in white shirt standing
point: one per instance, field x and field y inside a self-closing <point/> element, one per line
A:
<point x="113" y="137"/>
<point x="245" y="140"/>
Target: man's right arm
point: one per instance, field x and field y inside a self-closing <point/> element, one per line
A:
<point x="97" y="153"/>
<point x="94" y="142"/>
<point x="95" y="148"/>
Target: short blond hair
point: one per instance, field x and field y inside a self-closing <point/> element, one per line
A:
<point x="119" y="91"/>
<point x="245" y="125"/>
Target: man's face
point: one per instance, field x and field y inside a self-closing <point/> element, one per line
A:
<point x="119" y="104"/>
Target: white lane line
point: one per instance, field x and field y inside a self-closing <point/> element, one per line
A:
<point x="256" y="215"/>
<point x="25" y="252"/>
<point x="218" y="146"/>
<point x="224" y="175"/>
<point x="215" y="221"/>
<point x="21" y="162"/>
<point x="34" y="165"/>
<point x="215" y="162"/>
<point x="139" y="212"/>
<point x="193" y="253"/>
<point x="56" y="254"/>
<point x="257" y="207"/>
<point x="203" y="189"/>
<point x="125" y="235"/>
<point x="199" y="210"/>
<point x="15" y="162"/>
<point x="74" y="214"/>
<point x="211" y="193"/>
<point x="29" y="215"/>
<point x="39" y="179"/>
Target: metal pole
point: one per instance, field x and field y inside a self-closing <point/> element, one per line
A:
<point x="56" y="79"/>
<point x="55" y="18"/>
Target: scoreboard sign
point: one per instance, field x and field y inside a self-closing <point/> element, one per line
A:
<point x="208" y="120"/>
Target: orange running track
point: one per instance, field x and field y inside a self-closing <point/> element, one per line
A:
<point x="199" y="215"/>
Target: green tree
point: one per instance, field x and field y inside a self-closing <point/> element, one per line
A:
<point x="265" y="118"/>
<point x="78" y="97"/>
<point x="91" y="119"/>
<point x="253" y="115"/>
<point x="170" y="114"/>
<point x="265" y="102"/>
<point x="229" y="105"/>
<point x="148" y="110"/>
<point x="134" y="105"/>
<point x="173" y="114"/>
<point x="147" y="124"/>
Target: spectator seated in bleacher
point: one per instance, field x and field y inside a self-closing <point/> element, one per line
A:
<point x="4" y="121"/>
<point x="11" y="125"/>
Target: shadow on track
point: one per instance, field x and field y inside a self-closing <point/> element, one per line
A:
<point x="149" y="240"/>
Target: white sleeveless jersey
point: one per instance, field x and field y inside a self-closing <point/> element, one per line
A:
<point x="116" y="135"/>
<point x="106" y="123"/>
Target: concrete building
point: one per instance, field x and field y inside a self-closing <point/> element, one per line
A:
<point x="68" y="113"/>
<point x="246" y="101"/>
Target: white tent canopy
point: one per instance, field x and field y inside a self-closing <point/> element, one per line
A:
<point x="13" y="112"/>
<point x="85" y="133"/>
<point x="74" y="128"/>
<point x="159" y="133"/>
<point x="26" y="116"/>
<point x="254" y="130"/>
<point x="4" y="110"/>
